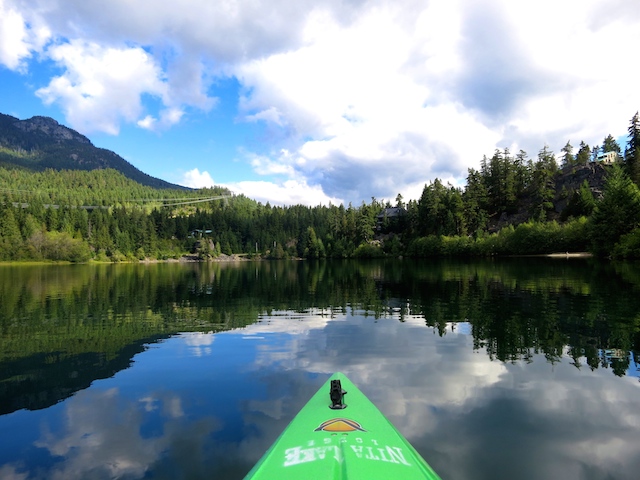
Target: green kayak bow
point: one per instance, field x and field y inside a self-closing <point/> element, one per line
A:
<point x="337" y="438"/>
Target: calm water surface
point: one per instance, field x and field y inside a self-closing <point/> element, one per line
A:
<point x="512" y="369"/>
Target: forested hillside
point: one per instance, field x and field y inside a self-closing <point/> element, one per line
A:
<point x="41" y="143"/>
<point x="512" y="204"/>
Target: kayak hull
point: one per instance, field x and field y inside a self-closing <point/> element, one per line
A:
<point x="351" y="442"/>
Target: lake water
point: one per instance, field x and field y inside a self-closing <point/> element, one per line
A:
<point x="505" y="369"/>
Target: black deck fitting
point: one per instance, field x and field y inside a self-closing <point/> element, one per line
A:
<point x="337" y="395"/>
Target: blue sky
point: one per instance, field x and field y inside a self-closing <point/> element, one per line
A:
<point x="316" y="102"/>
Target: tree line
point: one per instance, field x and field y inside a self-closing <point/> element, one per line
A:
<point x="41" y="218"/>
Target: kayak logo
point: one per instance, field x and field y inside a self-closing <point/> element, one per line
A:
<point x="340" y="425"/>
<point x="298" y="455"/>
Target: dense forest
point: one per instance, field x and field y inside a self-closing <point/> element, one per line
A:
<point x="512" y="204"/>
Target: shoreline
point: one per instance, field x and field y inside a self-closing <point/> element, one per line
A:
<point x="244" y="258"/>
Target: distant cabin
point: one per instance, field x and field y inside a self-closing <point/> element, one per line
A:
<point x="200" y="233"/>
<point x="608" y="158"/>
<point x="389" y="214"/>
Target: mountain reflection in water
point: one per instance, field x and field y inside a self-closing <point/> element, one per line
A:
<point x="505" y="369"/>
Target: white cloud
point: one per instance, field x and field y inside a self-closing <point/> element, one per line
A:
<point x="271" y="115"/>
<point x="195" y="179"/>
<point x="102" y="86"/>
<point x="17" y="39"/>
<point x="364" y="119"/>
<point x="376" y="104"/>
<point x="264" y="165"/>
<point x="14" y="45"/>
<point x="168" y="118"/>
<point x="147" y="122"/>
<point x="289" y="192"/>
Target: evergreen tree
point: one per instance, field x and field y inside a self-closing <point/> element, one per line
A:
<point x="10" y="237"/>
<point x="441" y="210"/>
<point x="455" y="222"/>
<point x="365" y="223"/>
<point x="543" y="187"/>
<point x="582" y="158"/>
<point x="522" y="167"/>
<point x="547" y="159"/>
<point x="610" y="145"/>
<point x="586" y="202"/>
<point x="475" y="202"/>
<point x="580" y="204"/>
<point x="314" y="247"/>
<point x="568" y="159"/>
<point x="632" y="150"/>
<point x="430" y="208"/>
<point x="618" y="212"/>
<point x="495" y="183"/>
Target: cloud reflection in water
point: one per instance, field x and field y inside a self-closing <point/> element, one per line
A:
<point x="471" y="417"/>
<point x="208" y="405"/>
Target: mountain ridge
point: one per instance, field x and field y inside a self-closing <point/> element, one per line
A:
<point x="41" y="143"/>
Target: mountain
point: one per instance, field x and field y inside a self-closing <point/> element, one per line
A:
<point x="40" y="143"/>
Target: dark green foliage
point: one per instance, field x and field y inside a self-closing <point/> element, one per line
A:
<point x="632" y="150"/>
<point x="278" y="252"/>
<point x="525" y="239"/>
<point x="393" y="246"/>
<point x="10" y="237"/>
<point x="580" y="204"/>
<point x="475" y="200"/>
<point x="313" y="246"/>
<point x="545" y="237"/>
<point x="429" y="246"/>
<point x="543" y="184"/>
<point x="500" y="175"/>
<point x="366" y="250"/>
<point x="617" y="214"/>
<point x="568" y="158"/>
<point x="584" y="154"/>
<point x="610" y="145"/>
<point x="628" y="246"/>
<point x="440" y="210"/>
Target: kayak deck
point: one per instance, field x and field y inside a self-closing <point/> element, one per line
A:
<point x="351" y="441"/>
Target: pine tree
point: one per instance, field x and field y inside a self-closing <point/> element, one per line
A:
<point x="10" y="237"/>
<point x="543" y="183"/>
<point x="632" y="151"/>
<point x="475" y="198"/>
<point x="610" y="145"/>
<point x="616" y="214"/>
<point x="522" y="167"/>
<point x="568" y="159"/>
<point x="582" y="158"/>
